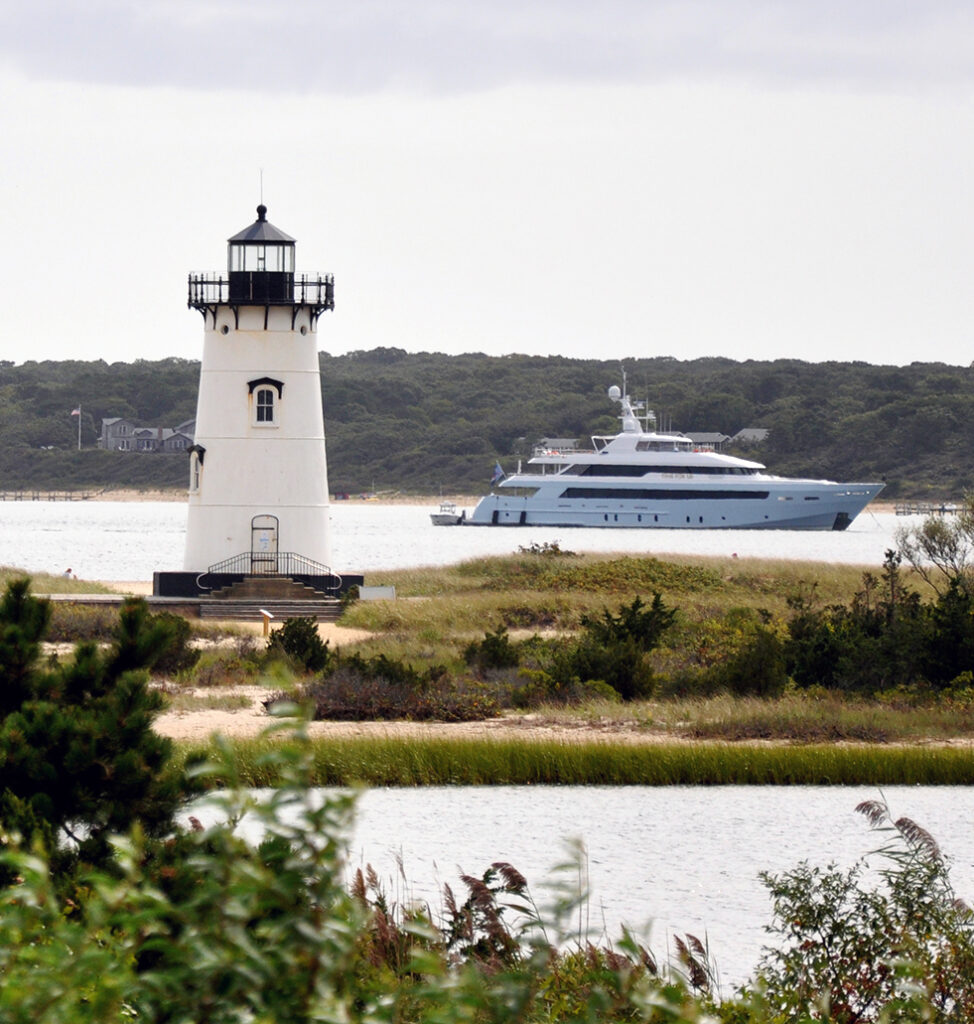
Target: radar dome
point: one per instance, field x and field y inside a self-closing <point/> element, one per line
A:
<point x="614" y="392"/>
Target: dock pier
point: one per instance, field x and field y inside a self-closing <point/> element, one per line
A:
<point x="31" y="495"/>
<point x="927" y="508"/>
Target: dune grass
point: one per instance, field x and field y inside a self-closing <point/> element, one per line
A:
<point x="543" y="592"/>
<point x="46" y="583"/>
<point x="804" y="717"/>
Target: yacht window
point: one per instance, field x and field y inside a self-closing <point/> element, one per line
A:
<point x="662" y="446"/>
<point x="604" y="469"/>
<point x="660" y="494"/>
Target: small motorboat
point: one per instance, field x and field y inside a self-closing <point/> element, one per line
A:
<point x="448" y="515"/>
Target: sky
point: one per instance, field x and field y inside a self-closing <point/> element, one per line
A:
<point x="755" y="179"/>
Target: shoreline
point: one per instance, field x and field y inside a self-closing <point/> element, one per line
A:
<point x="172" y="494"/>
<point x="179" y="494"/>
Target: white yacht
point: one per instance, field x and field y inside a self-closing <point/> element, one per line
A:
<point x="639" y="478"/>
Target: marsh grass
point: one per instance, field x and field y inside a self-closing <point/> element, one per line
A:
<point x="391" y="761"/>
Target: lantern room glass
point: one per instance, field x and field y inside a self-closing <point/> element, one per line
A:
<point x="260" y="257"/>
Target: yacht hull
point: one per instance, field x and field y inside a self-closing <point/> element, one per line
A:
<point x="820" y="507"/>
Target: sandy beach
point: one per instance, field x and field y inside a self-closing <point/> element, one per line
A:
<point x="252" y="719"/>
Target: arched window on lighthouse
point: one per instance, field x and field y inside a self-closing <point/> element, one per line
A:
<point x="265" y="405"/>
<point x="265" y="398"/>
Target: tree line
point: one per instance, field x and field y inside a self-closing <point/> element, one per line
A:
<point x="428" y="423"/>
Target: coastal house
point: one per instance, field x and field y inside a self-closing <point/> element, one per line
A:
<point x="116" y="434"/>
<point x="708" y="439"/>
<point x="122" y="435"/>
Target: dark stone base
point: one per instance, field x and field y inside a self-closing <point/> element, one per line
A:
<point x="203" y="584"/>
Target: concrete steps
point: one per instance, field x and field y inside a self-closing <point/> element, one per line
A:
<point x="325" y="610"/>
<point x="268" y="588"/>
<point x="282" y="596"/>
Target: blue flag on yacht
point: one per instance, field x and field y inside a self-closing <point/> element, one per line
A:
<point x="497" y="475"/>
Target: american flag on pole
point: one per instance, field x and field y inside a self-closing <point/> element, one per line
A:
<point x="76" y="412"/>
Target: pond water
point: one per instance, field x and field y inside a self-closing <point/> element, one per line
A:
<point x="663" y="860"/>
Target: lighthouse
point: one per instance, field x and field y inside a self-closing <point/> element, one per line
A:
<point x="258" y="478"/>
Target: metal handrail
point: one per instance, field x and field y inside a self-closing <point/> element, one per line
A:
<point x="286" y="563"/>
<point x="283" y="563"/>
<point x="317" y="290"/>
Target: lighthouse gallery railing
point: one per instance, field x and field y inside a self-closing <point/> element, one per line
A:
<point x="206" y="290"/>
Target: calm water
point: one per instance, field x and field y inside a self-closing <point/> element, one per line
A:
<point x="129" y="541"/>
<point x="664" y="861"/>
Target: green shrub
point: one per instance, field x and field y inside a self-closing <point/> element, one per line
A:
<point x="300" y="644"/>
<point x="223" y="668"/>
<point x="179" y="656"/>
<point x="71" y="623"/>
<point x="859" y="950"/>
<point x="756" y="668"/>
<point x="612" y="649"/>
<point x="494" y="651"/>
<point x="348" y="695"/>
<point x="538" y="688"/>
<point x="349" y="597"/>
<point x="634" y="623"/>
<point x="80" y="758"/>
<point x="622" y="665"/>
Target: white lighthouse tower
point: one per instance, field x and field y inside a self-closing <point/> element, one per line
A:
<point x="258" y="493"/>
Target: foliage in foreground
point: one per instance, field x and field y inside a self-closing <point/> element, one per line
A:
<point x="208" y="928"/>
<point x="79" y="759"/>
<point x="891" y="952"/>
<point x="215" y="930"/>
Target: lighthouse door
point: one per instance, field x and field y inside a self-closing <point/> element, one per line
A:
<point x="263" y="544"/>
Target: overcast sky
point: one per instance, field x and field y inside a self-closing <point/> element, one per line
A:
<point x="622" y="178"/>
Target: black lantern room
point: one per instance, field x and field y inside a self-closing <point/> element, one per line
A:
<point x="260" y="263"/>
<point x="260" y="272"/>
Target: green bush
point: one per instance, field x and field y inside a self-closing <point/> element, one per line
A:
<point x="79" y="758"/>
<point x="178" y="656"/>
<point x="756" y="668"/>
<point x="349" y="695"/>
<point x="635" y="623"/>
<point x="71" y="623"/>
<point x="893" y="951"/>
<point x="300" y="644"/>
<point x="880" y="641"/>
<point x="612" y="649"/>
<point x="495" y="651"/>
<point x="537" y="687"/>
